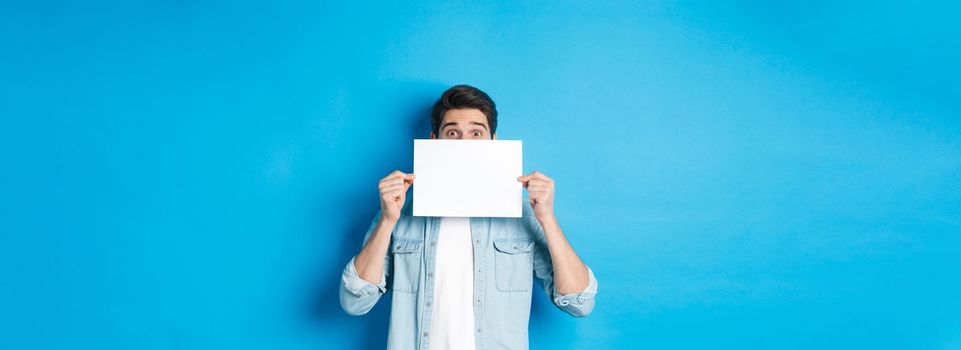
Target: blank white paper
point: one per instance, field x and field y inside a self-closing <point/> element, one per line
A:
<point x="468" y="178"/>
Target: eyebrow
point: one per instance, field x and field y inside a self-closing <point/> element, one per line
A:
<point x="481" y="124"/>
<point x="453" y="123"/>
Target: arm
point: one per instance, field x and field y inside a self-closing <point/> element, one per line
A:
<point x="358" y="295"/>
<point x="570" y="283"/>
<point x="369" y="263"/>
<point x="364" y="279"/>
<point x="570" y="273"/>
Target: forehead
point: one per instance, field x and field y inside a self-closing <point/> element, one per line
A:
<point x="464" y="117"/>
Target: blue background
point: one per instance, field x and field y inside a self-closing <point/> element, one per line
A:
<point x="195" y="174"/>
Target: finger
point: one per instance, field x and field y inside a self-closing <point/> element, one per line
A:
<point x="391" y="188"/>
<point x="539" y="175"/>
<point x="391" y="182"/>
<point x="395" y="194"/>
<point x="538" y="194"/>
<point x="385" y="185"/>
<point x="396" y="174"/>
<point x="538" y="190"/>
<point x="538" y="182"/>
<point x="535" y="175"/>
<point x="526" y="179"/>
<point x="390" y="196"/>
<point x="389" y="178"/>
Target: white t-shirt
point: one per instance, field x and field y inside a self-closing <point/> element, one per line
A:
<point x="452" y="324"/>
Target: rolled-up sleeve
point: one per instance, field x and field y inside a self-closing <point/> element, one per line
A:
<point x="578" y="304"/>
<point x="358" y="296"/>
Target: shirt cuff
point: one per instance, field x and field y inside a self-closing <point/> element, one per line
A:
<point x="583" y="296"/>
<point x="359" y="286"/>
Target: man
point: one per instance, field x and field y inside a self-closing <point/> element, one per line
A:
<point x="464" y="283"/>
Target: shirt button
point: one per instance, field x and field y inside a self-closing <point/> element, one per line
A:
<point x="397" y="247"/>
<point x="430" y="274"/>
<point x="428" y="303"/>
<point x="425" y="333"/>
<point x="477" y="242"/>
<point x="433" y="244"/>
<point x="478" y="330"/>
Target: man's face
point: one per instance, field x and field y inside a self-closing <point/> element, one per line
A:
<point x="464" y="124"/>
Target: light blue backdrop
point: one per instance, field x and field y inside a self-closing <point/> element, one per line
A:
<point x="195" y="174"/>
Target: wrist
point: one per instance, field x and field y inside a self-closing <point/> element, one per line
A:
<point x="546" y="219"/>
<point x="385" y="220"/>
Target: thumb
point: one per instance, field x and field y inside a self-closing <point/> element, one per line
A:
<point x="523" y="180"/>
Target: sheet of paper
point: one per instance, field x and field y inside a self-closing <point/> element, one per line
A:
<point x="467" y="178"/>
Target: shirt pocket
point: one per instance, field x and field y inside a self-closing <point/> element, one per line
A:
<point x="406" y="254"/>
<point x="513" y="264"/>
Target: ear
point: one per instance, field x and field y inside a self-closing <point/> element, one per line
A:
<point x="432" y="135"/>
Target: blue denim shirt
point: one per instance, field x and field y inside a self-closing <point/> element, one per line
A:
<point x="509" y="255"/>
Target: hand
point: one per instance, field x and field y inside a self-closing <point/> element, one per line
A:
<point x="393" y="194"/>
<point x="540" y="190"/>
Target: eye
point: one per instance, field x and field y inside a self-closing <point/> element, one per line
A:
<point x="477" y="134"/>
<point x="451" y="133"/>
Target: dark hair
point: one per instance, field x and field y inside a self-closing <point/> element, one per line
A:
<point x="463" y="97"/>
